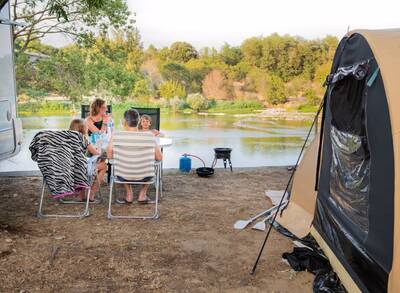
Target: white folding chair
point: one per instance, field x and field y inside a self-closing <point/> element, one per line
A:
<point x="133" y="160"/>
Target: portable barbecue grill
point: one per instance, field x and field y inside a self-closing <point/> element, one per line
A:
<point x="223" y="154"/>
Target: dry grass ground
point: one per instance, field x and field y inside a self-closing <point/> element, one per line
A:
<point x="191" y="248"/>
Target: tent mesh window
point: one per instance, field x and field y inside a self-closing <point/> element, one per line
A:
<point x="350" y="165"/>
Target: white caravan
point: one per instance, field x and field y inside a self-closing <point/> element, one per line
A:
<point x="10" y="126"/>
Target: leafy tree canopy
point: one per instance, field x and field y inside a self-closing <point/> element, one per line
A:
<point x="80" y="20"/>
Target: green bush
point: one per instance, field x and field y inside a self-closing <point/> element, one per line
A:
<point x="141" y="89"/>
<point x="197" y="102"/>
<point x="177" y="103"/>
<point x="170" y="89"/>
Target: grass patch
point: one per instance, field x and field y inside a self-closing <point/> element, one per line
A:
<point x="51" y="108"/>
<point x="46" y="109"/>
<point x="234" y="107"/>
<point x="308" y="108"/>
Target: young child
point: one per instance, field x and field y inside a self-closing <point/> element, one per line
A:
<point x="145" y="124"/>
<point x="80" y="126"/>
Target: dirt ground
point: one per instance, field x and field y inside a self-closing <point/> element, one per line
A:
<point x="191" y="248"/>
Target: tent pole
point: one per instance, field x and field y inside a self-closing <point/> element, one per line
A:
<point x="286" y="189"/>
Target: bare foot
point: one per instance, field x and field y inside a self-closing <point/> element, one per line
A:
<point x="129" y="197"/>
<point x="93" y="191"/>
<point x="142" y="196"/>
<point x="82" y="196"/>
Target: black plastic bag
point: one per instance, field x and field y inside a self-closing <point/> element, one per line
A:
<point x="305" y="259"/>
<point x="328" y="282"/>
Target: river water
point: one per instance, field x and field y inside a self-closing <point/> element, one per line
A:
<point x="255" y="141"/>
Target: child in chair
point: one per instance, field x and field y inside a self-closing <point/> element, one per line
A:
<point x="80" y="126"/>
<point x="145" y="124"/>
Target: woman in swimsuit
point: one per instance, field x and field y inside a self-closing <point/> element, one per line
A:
<point x="98" y="118"/>
<point x="97" y="122"/>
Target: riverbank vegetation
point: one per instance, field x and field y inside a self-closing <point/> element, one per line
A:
<point x="262" y="72"/>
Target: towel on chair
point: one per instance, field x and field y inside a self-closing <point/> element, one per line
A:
<point x="61" y="159"/>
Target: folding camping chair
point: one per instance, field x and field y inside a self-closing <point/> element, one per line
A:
<point x="154" y="113"/>
<point x="40" y="213"/>
<point x="92" y="173"/>
<point x="85" y="110"/>
<point x="85" y="213"/>
<point x="133" y="160"/>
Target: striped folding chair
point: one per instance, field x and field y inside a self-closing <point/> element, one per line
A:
<point x="60" y="158"/>
<point x="93" y="178"/>
<point x="133" y="163"/>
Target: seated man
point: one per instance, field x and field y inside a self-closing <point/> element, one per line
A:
<point x="130" y="123"/>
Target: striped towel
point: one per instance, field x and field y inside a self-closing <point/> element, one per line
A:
<point x="61" y="159"/>
<point x="133" y="154"/>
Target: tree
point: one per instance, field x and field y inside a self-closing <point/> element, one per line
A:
<point x="197" y="102"/>
<point x="182" y="52"/>
<point x="257" y="81"/>
<point x="76" y="19"/>
<point x="322" y="72"/>
<point x="311" y="97"/>
<point x="252" y="51"/>
<point x="276" y="91"/>
<point x="239" y="71"/>
<point x="230" y="55"/>
<point x="171" y="89"/>
<point x="66" y="70"/>
<point x="175" y="72"/>
<point x="141" y="89"/>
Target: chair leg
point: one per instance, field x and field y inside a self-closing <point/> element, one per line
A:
<point x="224" y="163"/>
<point x="40" y="213"/>
<point x="156" y="214"/>
<point x="230" y="164"/>
<point x="109" y="214"/>
<point x="86" y="213"/>
<point x="99" y="185"/>
<point x="160" y="176"/>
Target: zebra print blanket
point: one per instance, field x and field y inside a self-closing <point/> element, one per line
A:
<point x="61" y="159"/>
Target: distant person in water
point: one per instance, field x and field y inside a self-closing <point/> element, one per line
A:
<point x="98" y="118"/>
<point x="80" y="126"/>
<point x="145" y="125"/>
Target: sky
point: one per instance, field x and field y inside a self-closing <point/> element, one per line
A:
<point x="215" y="22"/>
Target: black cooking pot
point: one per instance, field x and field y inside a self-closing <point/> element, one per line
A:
<point x="205" y="171"/>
